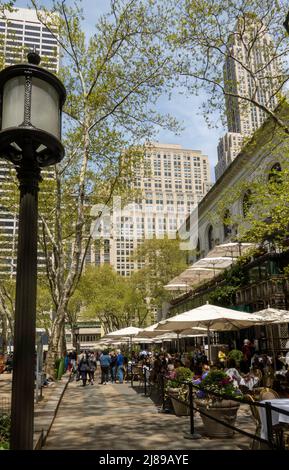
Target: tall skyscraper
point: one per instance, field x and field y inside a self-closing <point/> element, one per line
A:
<point x="248" y="72"/>
<point x="20" y="31"/>
<point x="171" y="182"/>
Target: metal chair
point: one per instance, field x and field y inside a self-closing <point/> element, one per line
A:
<point x="256" y="445"/>
<point x="266" y="393"/>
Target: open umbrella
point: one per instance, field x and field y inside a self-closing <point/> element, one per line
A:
<point x="124" y="333"/>
<point x="270" y="317"/>
<point x="219" y="262"/>
<point x="128" y="331"/>
<point x="211" y="317"/>
<point x="153" y="332"/>
<point x="233" y="249"/>
<point x="274" y="315"/>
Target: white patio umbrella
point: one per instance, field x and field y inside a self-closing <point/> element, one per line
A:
<point x="152" y="332"/>
<point x="125" y="334"/>
<point x="273" y="316"/>
<point x="128" y="331"/>
<point x="190" y="277"/>
<point x="232" y="249"/>
<point x="219" y="262"/>
<point x="177" y="285"/>
<point x="211" y="317"/>
<point x="149" y="331"/>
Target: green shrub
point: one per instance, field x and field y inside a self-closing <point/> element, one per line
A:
<point x="5" y="424"/>
<point x="183" y="374"/>
<point x="236" y="354"/>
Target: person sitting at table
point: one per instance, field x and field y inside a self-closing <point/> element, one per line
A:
<point x="222" y="357"/>
<point x="233" y="372"/>
<point x="280" y="361"/>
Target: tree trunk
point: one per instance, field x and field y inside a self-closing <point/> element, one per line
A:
<point x="4" y="334"/>
<point x="62" y="341"/>
<point x="54" y="351"/>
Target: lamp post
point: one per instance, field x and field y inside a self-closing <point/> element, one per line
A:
<point x="30" y="130"/>
<point x="286" y="23"/>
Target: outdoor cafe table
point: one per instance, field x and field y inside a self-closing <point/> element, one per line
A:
<point x="277" y="417"/>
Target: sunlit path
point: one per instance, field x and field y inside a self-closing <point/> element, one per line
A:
<point x="116" y="417"/>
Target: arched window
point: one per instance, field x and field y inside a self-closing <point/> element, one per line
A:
<point x="210" y="237"/>
<point x="226" y="224"/>
<point x="273" y="174"/>
<point x="246" y="204"/>
<point x="198" y="253"/>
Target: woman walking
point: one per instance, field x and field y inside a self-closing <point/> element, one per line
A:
<point x="92" y="367"/>
<point x="105" y="367"/>
<point x="84" y="368"/>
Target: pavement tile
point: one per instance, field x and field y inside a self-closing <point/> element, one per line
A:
<point x="116" y="417"/>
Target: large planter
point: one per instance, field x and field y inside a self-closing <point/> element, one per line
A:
<point x="180" y="409"/>
<point x="225" y="410"/>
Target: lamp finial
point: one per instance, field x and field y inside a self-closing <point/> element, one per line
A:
<point x="33" y="57"/>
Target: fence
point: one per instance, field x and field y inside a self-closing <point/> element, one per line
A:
<point x="274" y="439"/>
<point x="5" y="422"/>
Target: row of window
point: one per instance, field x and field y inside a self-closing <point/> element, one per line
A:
<point x="246" y="204"/>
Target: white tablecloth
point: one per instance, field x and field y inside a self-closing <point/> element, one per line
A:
<point x="277" y="417"/>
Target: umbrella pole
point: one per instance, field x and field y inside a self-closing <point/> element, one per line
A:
<point x="178" y="342"/>
<point x="209" y="344"/>
<point x="273" y="349"/>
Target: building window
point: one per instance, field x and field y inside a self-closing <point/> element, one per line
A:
<point x="246" y="202"/>
<point x="273" y="174"/>
<point x="211" y="237"/>
<point x="198" y="251"/>
<point x="226" y="224"/>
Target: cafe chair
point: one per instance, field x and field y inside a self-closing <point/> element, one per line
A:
<point x="256" y="444"/>
<point x="266" y="393"/>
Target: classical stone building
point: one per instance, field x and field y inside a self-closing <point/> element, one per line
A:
<point x="265" y="282"/>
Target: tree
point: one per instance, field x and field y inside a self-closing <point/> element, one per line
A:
<point x="113" y="80"/>
<point x="113" y="299"/>
<point x="211" y="32"/>
<point x="163" y="260"/>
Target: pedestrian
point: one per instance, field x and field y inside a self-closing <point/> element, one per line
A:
<point x="119" y="367"/>
<point x="92" y="367"/>
<point x="105" y="367"/>
<point x="248" y="353"/>
<point x="84" y="368"/>
<point x="113" y="359"/>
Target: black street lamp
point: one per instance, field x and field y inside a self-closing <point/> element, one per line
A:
<point x="286" y="23"/>
<point x="31" y="101"/>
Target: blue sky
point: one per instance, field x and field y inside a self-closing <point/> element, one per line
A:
<point x="196" y="134"/>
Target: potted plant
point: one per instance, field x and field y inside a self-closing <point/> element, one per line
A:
<point x="177" y="389"/>
<point x="220" y="407"/>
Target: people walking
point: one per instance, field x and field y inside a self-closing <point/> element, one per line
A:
<point x="92" y="365"/>
<point x="113" y="359"/>
<point x="84" y="369"/>
<point x="120" y="367"/>
<point x="105" y="367"/>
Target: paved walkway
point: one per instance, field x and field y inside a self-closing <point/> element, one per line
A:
<point x="44" y="410"/>
<point x="116" y="417"/>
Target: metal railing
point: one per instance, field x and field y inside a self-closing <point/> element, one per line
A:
<point x="274" y="437"/>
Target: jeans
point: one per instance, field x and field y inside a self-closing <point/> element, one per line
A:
<point x="119" y="374"/>
<point x="83" y="377"/>
<point x="112" y="373"/>
<point x="104" y="374"/>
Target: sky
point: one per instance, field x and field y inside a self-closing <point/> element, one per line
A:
<point x="195" y="134"/>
